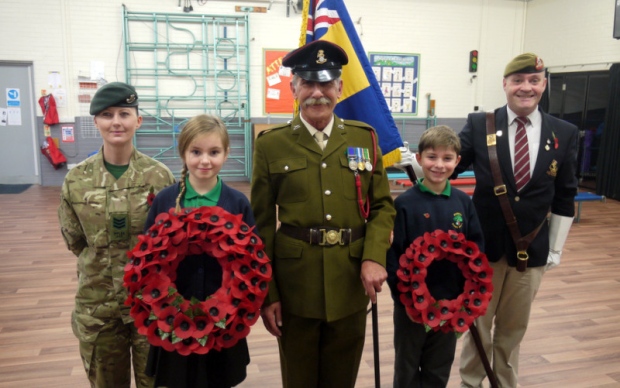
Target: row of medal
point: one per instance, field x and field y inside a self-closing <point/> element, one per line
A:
<point x="359" y="159"/>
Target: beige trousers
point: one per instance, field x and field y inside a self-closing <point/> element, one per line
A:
<point x="503" y="327"/>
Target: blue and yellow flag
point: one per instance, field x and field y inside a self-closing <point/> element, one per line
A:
<point x="361" y="98"/>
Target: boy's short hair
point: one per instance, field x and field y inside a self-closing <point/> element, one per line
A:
<point x="439" y="136"/>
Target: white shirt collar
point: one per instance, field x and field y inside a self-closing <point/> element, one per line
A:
<point x="327" y="131"/>
<point x="535" y="118"/>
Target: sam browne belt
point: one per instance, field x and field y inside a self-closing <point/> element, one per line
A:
<point x="323" y="235"/>
<point x="521" y="242"/>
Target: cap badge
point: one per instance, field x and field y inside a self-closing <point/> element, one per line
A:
<point x="131" y="99"/>
<point x="539" y="64"/>
<point x="320" y="57"/>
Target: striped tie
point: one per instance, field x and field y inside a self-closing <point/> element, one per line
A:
<point x="522" y="154"/>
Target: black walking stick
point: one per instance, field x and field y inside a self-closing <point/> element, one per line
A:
<point x="375" y="344"/>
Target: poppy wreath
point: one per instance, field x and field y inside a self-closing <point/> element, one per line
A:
<point x="162" y="314"/>
<point x="445" y="315"/>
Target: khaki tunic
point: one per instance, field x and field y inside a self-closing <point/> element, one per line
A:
<point x="296" y="183"/>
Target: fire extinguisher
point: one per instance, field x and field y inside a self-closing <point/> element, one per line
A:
<point x="48" y="106"/>
<point x="53" y="154"/>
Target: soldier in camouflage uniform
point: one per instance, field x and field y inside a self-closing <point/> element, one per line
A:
<point x="104" y="203"/>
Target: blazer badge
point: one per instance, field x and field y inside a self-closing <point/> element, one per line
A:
<point x="553" y="168"/>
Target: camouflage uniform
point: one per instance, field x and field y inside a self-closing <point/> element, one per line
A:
<point x="101" y="218"/>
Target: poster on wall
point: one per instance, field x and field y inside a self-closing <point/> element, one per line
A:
<point x="398" y="78"/>
<point x="278" y="98"/>
<point x="68" y="135"/>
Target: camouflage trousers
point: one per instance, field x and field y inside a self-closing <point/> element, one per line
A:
<point x="108" y="356"/>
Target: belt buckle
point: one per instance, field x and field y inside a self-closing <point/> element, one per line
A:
<point x="331" y="237"/>
<point x="500" y="190"/>
<point x="522" y="255"/>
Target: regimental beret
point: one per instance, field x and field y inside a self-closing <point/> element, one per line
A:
<point x="318" y="61"/>
<point x="524" y="63"/>
<point x="113" y="94"/>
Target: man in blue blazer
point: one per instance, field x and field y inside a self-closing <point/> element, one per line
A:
<point x="548" y="184"/>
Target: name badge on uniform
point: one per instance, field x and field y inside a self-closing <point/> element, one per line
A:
<point x="352" y="156"/>
<point x="119" y="227"/>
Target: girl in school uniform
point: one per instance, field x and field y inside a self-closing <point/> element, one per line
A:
<point x="204" y="147"/>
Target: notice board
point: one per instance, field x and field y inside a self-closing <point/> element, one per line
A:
<point x="278" y="98"/>
<point x="398" y="76"/>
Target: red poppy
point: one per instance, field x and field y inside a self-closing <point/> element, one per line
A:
<point x="132" y="279"/>
<point x="431" y="248"/>
<point x="142" y="321"/>
<point x="461" y="321"/>
<point x="476" y="303"/>
<point x="150" y="198"/>
<point x="161" y="304"/>
<point x="204" y="325"/>
<point x="244" y="235"/>
<point x="247" y="313"/>
<point x="184" y="326"/>
<point x="422" y="301"/>
<point x="229" y="224"/>
<point x="187" y="346"/>
<point x="166" y="317"/>
<point x="152" y="333"/>
<point x="471" y="250"/>
<point x="446" y="309"/>
<point x="167" y="223"/>
<point x="214" y="309"/>
<point x="156" y="288"/>
<point x="143" y="248"/>
<point x="431" y="316"/>
<point x="137" y="306"/>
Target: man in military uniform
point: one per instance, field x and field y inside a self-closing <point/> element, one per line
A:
<point x="103" y="207"/>
<point x="323" y="179"/>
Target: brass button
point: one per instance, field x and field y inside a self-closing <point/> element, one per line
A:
<point x="328" y="192"/>
<point x="324" y="165"/>
<point x="517" y="199"/>
<point x="285" y="168"/>
<point x="328" y="217"/>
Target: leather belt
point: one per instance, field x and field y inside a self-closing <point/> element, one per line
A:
<point x="521" y="242"/>
<point x="324" y="236"/>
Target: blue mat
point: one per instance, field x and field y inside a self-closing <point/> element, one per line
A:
<point x="13" y="189"/>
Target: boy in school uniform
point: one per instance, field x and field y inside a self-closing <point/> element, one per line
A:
<point x="424" y="359"/>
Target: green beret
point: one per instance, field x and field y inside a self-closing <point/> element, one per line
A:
<point x="524" y="63"/>
<point x="113" y="94"/>
<point x="318" y="61"/>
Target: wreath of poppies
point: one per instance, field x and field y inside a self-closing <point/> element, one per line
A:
<point x="445" y="315"/>
<point x="163" y="315"/>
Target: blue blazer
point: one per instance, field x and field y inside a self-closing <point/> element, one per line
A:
<point x="552" y="187"/>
